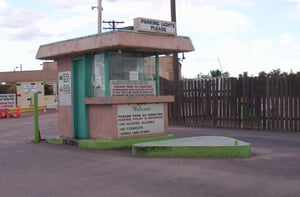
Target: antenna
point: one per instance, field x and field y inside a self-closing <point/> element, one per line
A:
<point x="220" y="64"/>
<point x="112" y="24"/>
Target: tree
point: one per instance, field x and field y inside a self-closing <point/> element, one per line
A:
<point x="262" y="74"/>
<point x="226" y="74"/>
<point x="215" y="73"/>
<point x="275" y="72"/>
<point x="245" y="74"/>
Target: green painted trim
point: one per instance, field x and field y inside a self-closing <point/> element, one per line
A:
<point x="55" y="141"/>
<point x="106" y="74"/>
<point x="110" y="144"/>
<point x="242" y="151"/>
<point x="87" y="61"/>
<point x="87" y="64"/>
<point x="157" y="75"/>
<point x="143" y="69"/>
<point x="87" y="71"/>
<point x="74" y="109"/>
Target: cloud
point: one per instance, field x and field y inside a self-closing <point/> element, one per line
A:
<point x="291" y="13"/>
<point x="3" y="4"/>
<point x="20" y="24"/>
<point x="18" y="18"/>
<point x="215" y="3"/>
<point x="260" y="47"/>
<point x="210" y="20"/>
<point x="286" y="40"/>
<point x="295" y="1"/>
<point x="30" y="33"/>
<point x="127" y="10"/>
<point x="70" y="4"/>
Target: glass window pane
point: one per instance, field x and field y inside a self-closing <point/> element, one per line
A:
<point x="98" y="80"/>
<point x="131" y="74"/>
<point x="50" y="88"/>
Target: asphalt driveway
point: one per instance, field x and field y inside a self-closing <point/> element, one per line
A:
<point x="28" y="169"/>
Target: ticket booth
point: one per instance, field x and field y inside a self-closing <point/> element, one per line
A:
<point x="108" y="84"/>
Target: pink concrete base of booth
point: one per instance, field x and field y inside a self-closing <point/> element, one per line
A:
<point x="103" y="120"/>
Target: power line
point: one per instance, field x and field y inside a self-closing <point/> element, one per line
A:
<point x="112" y="24"/>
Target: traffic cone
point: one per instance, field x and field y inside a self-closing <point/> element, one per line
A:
<point x="18" y="112"/>
<point x="6" y="113"/>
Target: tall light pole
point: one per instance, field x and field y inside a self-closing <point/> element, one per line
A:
<point x="175" y="55"/>
<point x="99" y="7"/>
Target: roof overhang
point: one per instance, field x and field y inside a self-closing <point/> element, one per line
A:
<point x="131" y="40"/>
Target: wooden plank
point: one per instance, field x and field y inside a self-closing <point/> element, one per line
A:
<point x="291" y="100"/>
<point x="263" y="102"/>
<point x="228" y="109"/>
<point x="266" y="104"/>
<point x="196" y="102"/>
<point x="286" y="102"/>
<point x="220" y="102"/>
<point x="250" y="103"/>
<point x="226" y="103"/>
<point x="297" y="87"/>
<point x="202" y="102"/>
<point x="208" y="114"/>
<point x="296" y="106"/>
<point x="239" y="103"/>
<point x="215" y="103"/>
<point x="258" y="101"/>
<point x="188" y="90"/>
<point x="245" y="112"/>
<point x="181" y="107"/>
<point x="273" y="106"/>
<point x="275" y="103"/>
<point x="234" y="103"/>
<point x="281" y="104"/>
<point x="193" y="104"/>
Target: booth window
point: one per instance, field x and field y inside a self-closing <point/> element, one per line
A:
<point x="98" y="79"/>
<point x="50" y="88"/>
<point x="131" y="74"/>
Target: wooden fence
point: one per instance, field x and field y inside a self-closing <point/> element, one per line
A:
<point x="266" y="103"/>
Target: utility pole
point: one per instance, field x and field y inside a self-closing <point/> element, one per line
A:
<point x="175" y="55"/>
<point x="99" y="16"/>
<point x="99" y="7"/>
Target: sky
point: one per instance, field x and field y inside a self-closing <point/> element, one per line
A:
<point x="230" y="35"/>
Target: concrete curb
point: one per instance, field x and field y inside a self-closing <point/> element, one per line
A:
<point x="110" y="144"/>
<point x="204" y="147"/>
<point x="55" y="141"/>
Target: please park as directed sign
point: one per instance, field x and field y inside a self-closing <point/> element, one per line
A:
<point x="7" y="101"/>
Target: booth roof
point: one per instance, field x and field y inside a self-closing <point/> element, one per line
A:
<point x="120" y="39"/>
